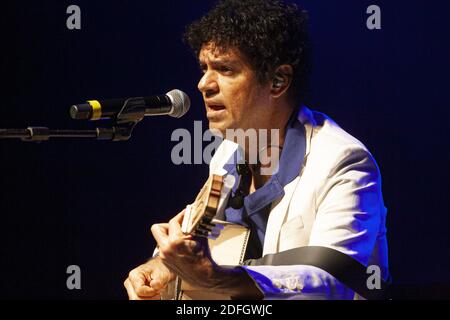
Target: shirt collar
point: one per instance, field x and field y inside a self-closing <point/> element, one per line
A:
<point x="290" y="164"/>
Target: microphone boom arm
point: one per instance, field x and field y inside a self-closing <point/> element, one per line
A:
<point x="132" y="112"/>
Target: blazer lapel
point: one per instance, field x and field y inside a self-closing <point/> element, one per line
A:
<point x="280" y="208"/>
<point x="277" y="217"/>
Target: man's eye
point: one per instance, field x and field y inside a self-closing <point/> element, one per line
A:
<point x="226" y="69"/>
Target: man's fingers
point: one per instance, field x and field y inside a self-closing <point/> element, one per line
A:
<point x="179" y="217"/>
<point x="160" y="233"/>
<point x="130" y="290"/>
<point x="137" y="279"/>
<point x="162" y="226"/>
<point x="175" y="232"/>
<point x="167" y="233"/>
<point x="138" y="289"/>
<point x="157" y="285"/>
<point x="159" y="279"/>
<point x="147" y="292"/>
<point x="144" y="293"/>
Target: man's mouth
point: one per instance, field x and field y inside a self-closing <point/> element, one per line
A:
<point x="215" y="107"/>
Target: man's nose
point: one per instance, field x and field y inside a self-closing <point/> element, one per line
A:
<point x="208" y="85"/>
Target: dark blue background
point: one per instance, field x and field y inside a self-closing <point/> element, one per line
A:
<point x="92" y="203"/>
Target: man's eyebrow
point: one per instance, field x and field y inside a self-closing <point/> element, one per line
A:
<point x="219" y="61"/>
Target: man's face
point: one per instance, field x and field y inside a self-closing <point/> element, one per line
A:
<point x="233" y="96"/>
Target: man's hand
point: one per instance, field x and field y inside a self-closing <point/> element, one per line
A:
<point x="190" y="259"/>
<point x="187" y="257"/>
<point x="146" y="281"/>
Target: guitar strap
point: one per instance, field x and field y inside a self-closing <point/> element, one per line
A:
<point x="341" y="266"/>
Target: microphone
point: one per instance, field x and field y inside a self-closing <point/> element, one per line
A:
<point x="174" y="103"/>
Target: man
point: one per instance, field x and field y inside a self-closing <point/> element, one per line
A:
<point x="326" y="192"/>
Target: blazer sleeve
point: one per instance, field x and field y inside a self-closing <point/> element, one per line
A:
<point x="349" y="214"/>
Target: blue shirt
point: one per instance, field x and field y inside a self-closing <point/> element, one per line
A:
<point x="255" y="212"/>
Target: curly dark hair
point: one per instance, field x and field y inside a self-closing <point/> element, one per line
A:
<point x="268" y="32"/>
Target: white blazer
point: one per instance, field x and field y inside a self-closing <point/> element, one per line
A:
<point x="336" y="202"/>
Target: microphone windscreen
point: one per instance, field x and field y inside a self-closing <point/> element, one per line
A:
<point x="180" y="102"/>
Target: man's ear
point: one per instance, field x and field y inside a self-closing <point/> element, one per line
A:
<point x="282" y="79"/>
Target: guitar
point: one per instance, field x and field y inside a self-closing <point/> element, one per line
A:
<point x="227" y="241"/>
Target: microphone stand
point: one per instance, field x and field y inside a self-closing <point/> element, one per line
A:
<point x="132" y="112"/>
